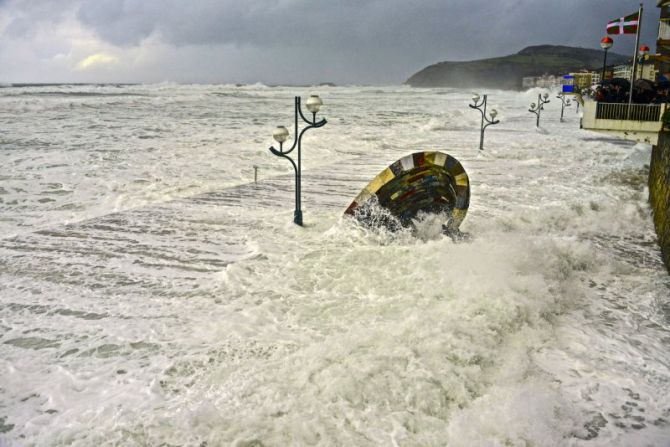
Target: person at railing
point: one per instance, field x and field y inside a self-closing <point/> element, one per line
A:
<point x="644" y="92"/>
<point x="661" y="96"/>
<point x="599" y="94"/>
<point x="644" y="95"/>
<point x="615" y="94"/>
<point x="662" y="91"/>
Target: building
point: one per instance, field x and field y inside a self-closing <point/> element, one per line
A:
<point x="623" y="71"/>
<point x="663" y="41"/>
<point x="582" y="80"/>
<point x="544" y="81"/>
<point x="585" y="79"/>
<point x="595" y="78"/>
<point x="548" y="81"/>
<point x="645" y="70"/>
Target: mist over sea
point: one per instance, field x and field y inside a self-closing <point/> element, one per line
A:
<point x="152" y="294"/>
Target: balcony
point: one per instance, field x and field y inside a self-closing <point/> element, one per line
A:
<point x="634" y="122"/>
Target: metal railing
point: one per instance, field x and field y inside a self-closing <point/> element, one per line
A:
<point x="628" y="112"/>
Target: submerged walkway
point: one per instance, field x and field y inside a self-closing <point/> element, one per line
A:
<point x="214" y="317"/>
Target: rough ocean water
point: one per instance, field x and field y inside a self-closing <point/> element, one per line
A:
<point x="152" y="294"/>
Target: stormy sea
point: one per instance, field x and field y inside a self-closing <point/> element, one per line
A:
<point x="151" y="293"/>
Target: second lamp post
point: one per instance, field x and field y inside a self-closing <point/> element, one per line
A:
<point x="537" y="108"/>
<point x="565" y="102"/>
<point x="644" y="50"/>
<point x="481" y="106"/>
<point x="280" y="134"/>
<point x="605" y="43"/>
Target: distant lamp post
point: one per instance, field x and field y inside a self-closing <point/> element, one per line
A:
<point x="565" y="102"/>
<point x="605" y="43"/>
<point x="539" y="107"/>
<point x="481" y="106"/>
<point x="644" y="50"/>
<point x="585" y="94"/>
<point x="281" y="133"/>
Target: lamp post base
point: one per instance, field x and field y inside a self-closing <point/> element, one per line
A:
<point x="297" y="217"/>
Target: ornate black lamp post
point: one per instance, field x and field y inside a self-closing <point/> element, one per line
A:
<point x="539" y="107"/>
<point x="565" y="102"/>
<point x="605" y="43"/>
<point x="280" y="134"/>
<point x="481" y="106"/>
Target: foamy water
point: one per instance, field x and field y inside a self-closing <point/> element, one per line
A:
<point x="151" y="294"/>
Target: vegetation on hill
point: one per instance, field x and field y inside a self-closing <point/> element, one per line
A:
<point x="506" y="72"/>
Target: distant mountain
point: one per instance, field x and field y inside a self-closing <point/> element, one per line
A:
<point x="506" y="72"/>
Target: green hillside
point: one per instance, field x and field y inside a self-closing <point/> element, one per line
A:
<point x="506" y="72"/>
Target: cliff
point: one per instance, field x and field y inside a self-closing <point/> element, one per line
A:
<point x="506" y="72"/>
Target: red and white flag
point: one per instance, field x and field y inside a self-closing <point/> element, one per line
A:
<point x="624" y="25"/>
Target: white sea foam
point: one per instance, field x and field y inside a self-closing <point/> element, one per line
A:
<point x="178" y="307"/>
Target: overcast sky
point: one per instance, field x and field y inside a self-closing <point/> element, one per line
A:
<point x="286" y="41"/>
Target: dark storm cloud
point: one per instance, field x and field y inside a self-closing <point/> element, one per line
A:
<point x="25" y="16"/>
<point x="37" y="10"/>
<point x="352" y="40"/>
<point x="463" y="27"/>
<point x="252" y="22"/>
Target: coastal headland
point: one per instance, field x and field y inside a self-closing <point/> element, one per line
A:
<point x="506" y="72"/>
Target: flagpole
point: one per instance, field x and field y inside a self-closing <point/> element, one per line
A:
<point x="637" y="44"/>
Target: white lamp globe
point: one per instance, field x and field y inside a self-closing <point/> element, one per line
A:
<point x="280" y="134"/>
<point x="314" y="103"/>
